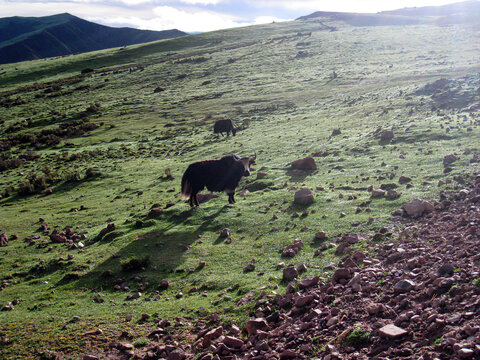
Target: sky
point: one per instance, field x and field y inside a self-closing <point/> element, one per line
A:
<point x="197" y="15"/>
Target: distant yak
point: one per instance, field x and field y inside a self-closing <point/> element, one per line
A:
<point x="224" y="125"/>
<point x="222" y="174"/>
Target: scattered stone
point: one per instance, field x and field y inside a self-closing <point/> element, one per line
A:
<point x="250" y="267"/>
<point x="211" y="335"/>
<point x="305" y="164"/>
<point x="386" y="135"/>
<point x="391" y="331"/>
<point x="307" y="283"/>
<point x="177" y="354"/>
<point x="303" y="196"/>
<point x="404" y="285"/>
<point x="446" y="269"/>
<point x="417" y="207"/>
<point x="404" y="179"/>
<point x="164" y="284"/>
<point x="377" y="193"/>
<point x="233" y="342"/>
<point x="155" y="212"/>
<point x="336" y="132"/>
<point x="465" y="353"/>
<point x="225" y="232"/>
<point x="288" y="354"/>
<point x="341" y="273"/>
<point x="252" y="326"/>
<point x="246" y="299"/>
<point x="290" y="273"/>
<point x="291" y="250"/>
<point x="392" y="194"/>
<point x="449" y="159"/>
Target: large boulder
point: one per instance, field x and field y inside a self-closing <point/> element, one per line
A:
<point x="417" y="207"/>
<point x="307" y="163"/>
<point x="386" y="135"/>
<point x="303" y="196"/>
<point x="449" y="159"/>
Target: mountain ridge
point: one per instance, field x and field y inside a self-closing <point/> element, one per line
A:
<point x="29" y="38"/>
<point x="456" y="13"/>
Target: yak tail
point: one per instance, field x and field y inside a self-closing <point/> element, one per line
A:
<point x="186" y="188"/>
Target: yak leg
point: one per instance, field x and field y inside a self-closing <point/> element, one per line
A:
<point x="193" y="198"/>
<point x="231" y="200"/>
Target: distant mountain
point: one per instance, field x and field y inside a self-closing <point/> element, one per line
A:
<point x="457" y="13"/>
<point x="28" y="38"/>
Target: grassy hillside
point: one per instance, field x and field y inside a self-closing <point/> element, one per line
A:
<point x="105" y="143"/>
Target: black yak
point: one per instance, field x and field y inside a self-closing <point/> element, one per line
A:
<point x="222" y="174"/>
<point x="224" y="125"/>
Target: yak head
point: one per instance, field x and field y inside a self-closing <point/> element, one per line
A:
<point x="247" y="161"/>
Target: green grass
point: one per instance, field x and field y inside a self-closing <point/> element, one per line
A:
<point x="287" y="107"/>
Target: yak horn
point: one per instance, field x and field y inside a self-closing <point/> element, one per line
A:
<point x="254" y="156"/>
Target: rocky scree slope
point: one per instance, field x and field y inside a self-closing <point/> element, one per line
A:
<point x="417" y="297"/>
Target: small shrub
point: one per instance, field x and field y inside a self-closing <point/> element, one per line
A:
<point x="112" y="235"/>
<point x="8" y="191"/>
<point x="72" y="176"/>
<point x="358" y="338"/>
<point x="26" y="188"/>
<point x="141" y="342"/>
<point x="136" y="264"/>
<point x="92" y="172"/>
<point x="10" y="164"/>
<point x="86" y="71"/>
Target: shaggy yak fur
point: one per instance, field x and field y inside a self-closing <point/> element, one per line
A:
<point x="222" y="174"/>
<point x="224" y="125"/>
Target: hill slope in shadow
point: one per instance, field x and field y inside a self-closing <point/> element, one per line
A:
<point x="28" y="38"/>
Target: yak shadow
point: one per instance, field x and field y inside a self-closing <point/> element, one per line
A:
<point x="300" y="175"/>
<point x="155" y="254"/>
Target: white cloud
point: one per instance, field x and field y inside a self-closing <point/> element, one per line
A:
<point x="201" y="2"/>
<point x="191" y="20"/>
<point x="365" y="6"/>
<point x="267" y="20"/>
<point x="136" y="2"/>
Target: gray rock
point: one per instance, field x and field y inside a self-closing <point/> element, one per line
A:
<point x="404" y="285"/>
<point x="376" y="193"/>
<point x="465" y="353"/>
<point x="449" y="159"/>
<point x="391" y="331"/>
<point x="177" y="355"/>
<point x="341" y="273"/>
<point x="303" y="196"/>
<point x="392" y="194"/>
<point x="417" y="207"/>
<point x="386" y="135"/>
<point x="253" y="325"/>
<point x="233" y="342"/>
<point x="290" y="273"/>
<point x="446" y="269"/>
